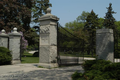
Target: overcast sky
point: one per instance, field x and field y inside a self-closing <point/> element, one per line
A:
<point x="69" y="10"/>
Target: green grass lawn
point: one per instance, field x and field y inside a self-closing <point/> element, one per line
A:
<point x="28" y="58"/>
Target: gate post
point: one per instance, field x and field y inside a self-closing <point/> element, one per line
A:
<point x="3" y="39"/>
<point x="105" y="44"/>
<point x="14" y="46"/>
<point x="48" y="40"/>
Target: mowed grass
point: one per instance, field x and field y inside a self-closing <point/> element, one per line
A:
<point x="28" y="58"/>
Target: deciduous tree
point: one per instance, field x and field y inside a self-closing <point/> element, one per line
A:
<point x="38" y="10"/>
<point x="15" y="13"/>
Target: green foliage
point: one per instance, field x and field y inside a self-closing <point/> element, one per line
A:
<point x="95" y="64"/>
<point x="39" y="9"/>
<point x="113" y="70"/>
<point x="117" y="23"/>
<point x="15" y="13"/>
<point x="92" y="21"/>
<point x="74" y="26"/>
<point x="78" y="76"/>
<point x="78" y="23"/>
<point x="32" y="37"/>
<point x="5" y="56"/>
<point x="109" y="21"/>
<point x="90" y="27"/>
<point x="87" y="65"/>
<point x="99" y="70"/>
<point x="84" y="27"/>
<point x="69" y="52"/>
<point x="92" y="74"/>
<point x="82" y="17"/>
<point x="100" y="21"/>
<point x="117" y="40"/>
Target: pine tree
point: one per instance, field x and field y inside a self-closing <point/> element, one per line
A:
<point x="91" y="25"/>
<point x="109" y="21"/>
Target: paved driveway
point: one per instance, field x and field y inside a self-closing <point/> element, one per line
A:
<point x="31" y="72"/>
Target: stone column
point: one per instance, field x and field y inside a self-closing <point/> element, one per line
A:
<point x="14" y="46"/>
<point x="48" y="40"/>
<point x="3" y="39"/>
<point x="105" y="44"/>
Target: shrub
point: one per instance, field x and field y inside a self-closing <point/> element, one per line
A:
<point x="95" y="64"/>
<point x="78" y="76"/>
<point x="5" y="56"/>
<point x="87" y="65"/>
<point x="113" y="70"/>
<point x="99" y="70"/>
<point x="36" y="54"/>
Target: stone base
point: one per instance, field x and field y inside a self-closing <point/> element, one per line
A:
<point x="48" y="65"/>
<point x="16" y="62"/>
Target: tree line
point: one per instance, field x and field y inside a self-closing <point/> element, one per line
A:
<point x="85" y="27"/>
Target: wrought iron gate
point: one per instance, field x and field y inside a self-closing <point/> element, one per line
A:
<point x="69" y="49"/>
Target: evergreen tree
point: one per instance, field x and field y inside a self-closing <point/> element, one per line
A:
<point x="91" y="25"/>
<point x="109" y="21"/>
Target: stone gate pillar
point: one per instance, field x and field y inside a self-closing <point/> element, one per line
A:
<point x="48" y="40"/>
<point x="3" y="39"/>
<point x="105" y="44"/>
<point x="14" y="46"/>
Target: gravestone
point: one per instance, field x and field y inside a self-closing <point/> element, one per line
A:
<point x="105" y="44"/>
<point x="3" y="39"/>
<point x="48" y="40"/>
<point x="14" y="46"/>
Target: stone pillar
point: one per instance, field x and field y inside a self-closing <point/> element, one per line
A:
<point x="3" y="39"/>
<point x="48" y="40"/>
<point x="105" y="44"/>
<point x="14" y="46"/>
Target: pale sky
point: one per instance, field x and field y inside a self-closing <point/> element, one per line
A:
<point x="69" y="10"/>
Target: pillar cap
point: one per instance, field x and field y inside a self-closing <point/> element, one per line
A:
<point x="48" y="16"/>
<point x="15" y="32"/>
<point x="48" y="11"/>
<point x="101" y="31"/>
<point x="3" y="33"/>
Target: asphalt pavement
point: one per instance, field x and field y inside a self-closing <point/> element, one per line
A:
<point x="32" y="72"/>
